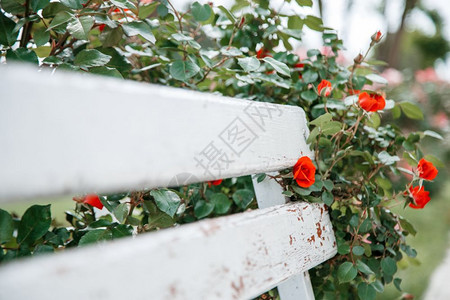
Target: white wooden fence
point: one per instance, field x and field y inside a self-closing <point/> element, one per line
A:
<point x="71" y="133"/>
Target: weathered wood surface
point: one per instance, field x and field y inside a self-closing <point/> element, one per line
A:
<point x="233" y="257"/>
<point x="269" y="193"/>
<point x="438" y="287"/>
<point x="72" y="133"/>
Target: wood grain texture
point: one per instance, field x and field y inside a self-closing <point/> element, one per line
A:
<point x="232" y="257"/>
<point x="72" y="133"/>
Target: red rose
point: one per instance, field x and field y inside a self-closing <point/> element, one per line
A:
<point x="215" y="182"/>
<point x="420" y="196"/>
<point x="304" y="172"/>
<point x="101" y="27"/>
<point x="371" y="102"/>
<point x="426" y="170"/>
<point x="93" y="200"/>
<point x="324" y="86"/>
<point x="299" y="65"/>
<point x="353" y="92"/>
<point x="261" y="53"/>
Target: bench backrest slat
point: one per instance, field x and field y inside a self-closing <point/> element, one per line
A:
<point x="97" y="134"/>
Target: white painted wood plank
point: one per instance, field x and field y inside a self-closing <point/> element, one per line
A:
<point x="438" y="287"/>
<point x="233" y="257"/>
<point x="74" y="133"/>
<point x="269" y="193"/>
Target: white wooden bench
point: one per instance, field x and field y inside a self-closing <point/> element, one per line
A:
<point x="69" y="133"/>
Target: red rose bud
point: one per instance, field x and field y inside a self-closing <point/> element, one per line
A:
<point x="304" y="172"/>
<point x="426" y="170"/>
<point x="101" y="27"/>
<point x="242" y="22"/>
<point x="214" y="182"/>
<point x="261" y="53"/>
<point x="420" y="196"/>
<point x="324" y="88"/>
<point x="93" y="200"/>
<point x="371" y="102"/>
<point x="358" y="59"/>
<point x="376" y="37"/>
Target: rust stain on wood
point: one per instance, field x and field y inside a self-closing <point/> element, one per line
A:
<point x="319" y="230"/>
<point x="290" y="239"/>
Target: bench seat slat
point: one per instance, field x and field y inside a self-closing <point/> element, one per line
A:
<point x="232" y="257"/>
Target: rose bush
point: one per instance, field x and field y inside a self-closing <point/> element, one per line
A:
<point x="245" y="52"/>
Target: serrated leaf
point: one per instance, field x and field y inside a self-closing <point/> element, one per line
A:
<point x="79" y="27"/>
<point x="389" y="266"/>
<point x="183" y="70"/>
<point x="411" y="110"/>
<point x="363" y="267"/>
<point x="61" y="18"/>
<point x="121" y="212"/>
<point x="221" y="203"/>
<point x="91" y="58"/>
<point x="37" y="5"/>
<point x="280" y="67"/>
<point x="6" y="226"/>
<point x="139" y="28"/>
<point x="243" y="198"/>
<point x="202" y="209"/>
<point x="34" y="224"/>
<point x="323" y="119"/>
<point x="366" y="291"/>
<point x="167" y="201"/>
<point x="346" y="272"/>
<point x="200" y="12"/>
<point x="95" y="236"/>
<point x="249" y="64"/>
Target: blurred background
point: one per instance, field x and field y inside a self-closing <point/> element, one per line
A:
<point x="415" y="45"/>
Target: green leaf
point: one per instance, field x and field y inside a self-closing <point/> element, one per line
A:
<point x="230" y="51"/>
<point x="389" y="266"/>
<point x="121" y="230"/>
<point x="378" y="286"/>
<point x="14" y="7"/>
<point x="323" y="119"/>
<point x="124" y="4"/>
<point x="166" y="200"/>
<point x="331" y="128"/>
<point x="23" y="55"/>
<point x="147" y="10"/>
<point x="74" y="4"/>
<point x="229" y="15"/>
<point x="34" y="224"/>
<point x="304" y="2"/>
<point x="200" y="12"/>
<point x="95" y="236"/>
<point x="346" y="272"/>
<point x="202" y="209"/>
<point x="328" y="184"/>
<point x="91" y="58"/>
<point x="278" y="66"/>
<point x="366" y="291"/>
<point x="343" y="249"/>
<point x="309" y="95"/>
<point x="141" y="28"/>
<point x="43" y="249"/>
<point x="310" y="76"/>
<point x="106" y="71"/>
<point x="79" y="27"/>
<point x="397" y="282"/>
<point x="407" y="226"/>
<point x="377" y="78"/>
<point x="411" y="110"/>
<point x="6" y="227"/>
<point x="249" y="64"/>
<point x="243" y="198"/>
<point x="295" y="22"/>
<point x="433" y="134"/>
<point x="41" y="36"/>
<point x="363" y="267"/>
<point x="314" y="23"/>
<point x="327" y="198"/>
<point x="121" y="212"/>
<point x="387" y="159"/>
<point x="7" y="35"/>
<point x="221" y="203"/>
<point x="183" y="70"/>
<point x="61" y="18"/>
<point x="38" y="4"/>
<point x="358" y="250"/>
